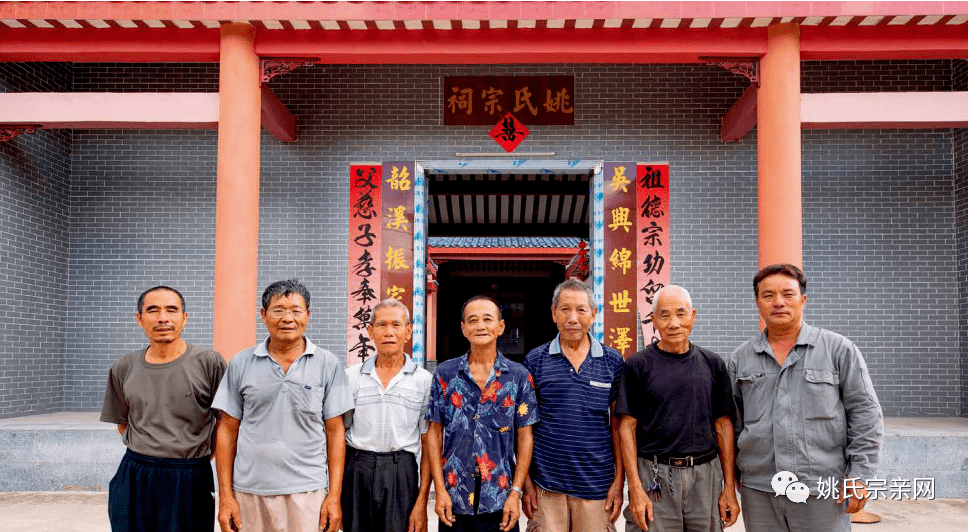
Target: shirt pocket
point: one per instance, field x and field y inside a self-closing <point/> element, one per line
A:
<point x="756" y="395"/>
<point x="306" y="399"/>
<point x="597" y="397"/>
<point x="500" y="416"/>
<point x="821" y="397"/>
<point x="406" y="403"/>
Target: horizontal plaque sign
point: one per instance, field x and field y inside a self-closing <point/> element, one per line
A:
<point x="534" y="100"/>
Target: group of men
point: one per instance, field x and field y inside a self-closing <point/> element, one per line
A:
<point x="300" y="443"/>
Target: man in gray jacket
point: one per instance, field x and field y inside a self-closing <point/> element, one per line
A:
<point x="808" y="422"/>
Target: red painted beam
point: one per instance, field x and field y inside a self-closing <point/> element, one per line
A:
<point x="515" y="46"/>
<point x="276" y="118"/>
<point x="741" y="117"/>
<point x="863" y="43"/>
<point x="114" y="45"/>
<point x="390" y="47"/>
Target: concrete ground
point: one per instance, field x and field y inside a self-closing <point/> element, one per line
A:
<point x="85" y="511"/>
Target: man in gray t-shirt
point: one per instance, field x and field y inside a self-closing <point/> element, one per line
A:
<point x="160" y="397"/>
<point x="280" y="439"/>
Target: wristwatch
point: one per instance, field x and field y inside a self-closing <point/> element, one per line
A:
<point x="517" y="489"/>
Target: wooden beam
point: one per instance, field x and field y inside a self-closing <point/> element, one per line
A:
<point x="99" y="110"/>
<point x="869" y="43"/>
<point x="508" y="229"/>
<point x="109" y="45"/>
<point x="276" y="118"/>
<point x="516" y="46"/>
<point x="390" y="47"/>
<point x="876" y="110"/>
<point x="509" y="188"/>
<point x="741" y="117"/>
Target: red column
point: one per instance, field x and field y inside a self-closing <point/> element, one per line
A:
<point x="237" y="191"/>
<point x="778" y="148"/>
<point x="431" y="321"/>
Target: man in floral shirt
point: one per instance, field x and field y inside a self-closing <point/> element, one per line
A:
<point x="480" y="405"/>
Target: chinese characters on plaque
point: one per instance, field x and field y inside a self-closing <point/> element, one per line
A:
<point x="534" y="100"/>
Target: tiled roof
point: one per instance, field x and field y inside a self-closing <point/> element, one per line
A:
<point x="518" y="242"/>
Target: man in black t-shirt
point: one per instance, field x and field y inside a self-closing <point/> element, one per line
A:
<point x="676" y="428"/>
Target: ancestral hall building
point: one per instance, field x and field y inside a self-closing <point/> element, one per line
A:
<point x="219" y="146"/>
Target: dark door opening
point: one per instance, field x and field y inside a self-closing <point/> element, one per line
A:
<point x="522" y="287"/>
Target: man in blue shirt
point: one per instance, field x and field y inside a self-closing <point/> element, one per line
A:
<point x="481" y="409"/>
<point x="576" y="479"/>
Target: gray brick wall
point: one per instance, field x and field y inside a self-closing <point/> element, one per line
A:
<point x="34" y="210"/>
<point x="868" y="196"/>
<point x="878" y="242"/>
<point x="875" y="76"/>
<point x="959" y="79"/>
<point x="142" y="214"/>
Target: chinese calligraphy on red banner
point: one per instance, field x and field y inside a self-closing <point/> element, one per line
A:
<point x="652" y="186"/>
<point x="365" y="253"/>
<point x="620" y="270"/>
<point x="534" y="100"/>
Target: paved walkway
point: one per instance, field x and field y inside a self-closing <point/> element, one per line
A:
<point x="66" y="511"/>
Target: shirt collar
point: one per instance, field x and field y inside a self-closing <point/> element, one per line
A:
<point x="408" y="365"/>
<point x="500" y="363"/>
<point x="806" y="336"/>
<point x="262" y="350"/>
<point x="596" y="348"/>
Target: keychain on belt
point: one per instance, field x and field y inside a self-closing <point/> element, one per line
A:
<point x="654" y="490"/>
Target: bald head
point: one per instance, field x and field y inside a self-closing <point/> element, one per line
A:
<point x="669" y="290"/>
<point x="673" y="318"/>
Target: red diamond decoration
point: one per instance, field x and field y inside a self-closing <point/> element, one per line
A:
<point x="509" y="132"/>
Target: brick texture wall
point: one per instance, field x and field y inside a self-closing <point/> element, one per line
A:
<point x="142" y="214"/>
<point x="959" y="82"/>
<point x="878" y="219"/>
<point x="34" y="213"/>
<point x="875" y="76"/>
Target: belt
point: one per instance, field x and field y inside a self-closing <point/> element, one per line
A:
<point x="687" y="461"/>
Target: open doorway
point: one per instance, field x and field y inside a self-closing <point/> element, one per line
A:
<point x="508" y="235"/>
<point x="523" y="288"/>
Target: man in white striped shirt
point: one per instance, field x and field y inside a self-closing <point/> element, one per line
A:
<point x="385" y="432"/>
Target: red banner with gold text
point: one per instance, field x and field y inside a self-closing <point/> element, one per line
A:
<point x="396" y="262"/>
<point x="620" y="278"/>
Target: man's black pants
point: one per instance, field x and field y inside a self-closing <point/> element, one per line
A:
<point x="379" y="490"/>
<point x="150" y="494"/>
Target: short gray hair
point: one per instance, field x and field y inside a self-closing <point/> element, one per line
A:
<point x="390" y="303"/>
<point x="661" y="291"/>
<point x="574" y="285"/>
